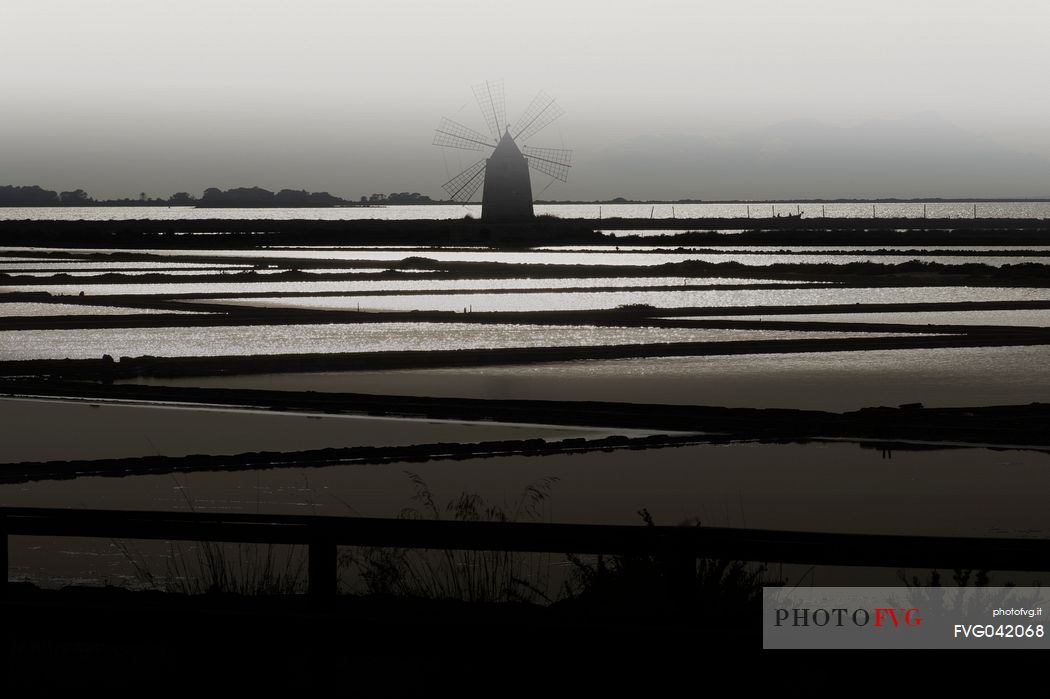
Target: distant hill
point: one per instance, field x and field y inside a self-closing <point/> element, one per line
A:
<point x="920" y="156"/>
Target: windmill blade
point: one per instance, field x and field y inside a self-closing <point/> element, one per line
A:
<point x="462" y="187"/>
<point x="452" y="134"/>
<point x="550" y="161"/>
<point x="493" y="106"/>
<point x="539" y="114"/>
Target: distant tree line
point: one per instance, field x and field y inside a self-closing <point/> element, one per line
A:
<point x="398" y="198"/>
<point x="11" y="195"/>
<point x="38" y="196"/>
<point x="257" y="196"/>
<point x="237" y="197"/>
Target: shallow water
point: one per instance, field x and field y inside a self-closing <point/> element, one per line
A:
<point x="379" y="286"/>
<point x="353" y="337"/>
<point x="1025" y="317"/>
<point x="20" y="309"/>
<point x="93" y="430"/>
<point x="659" y="299"/>
<point x="826" y="487"/>
<point x="100" y="266"/>
<point x="130" y="273"/>
<point x="833" y="487"/>
<point x="971" y="376"/>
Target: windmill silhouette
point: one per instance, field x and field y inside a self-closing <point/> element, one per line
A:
<point x="507" y="195"/>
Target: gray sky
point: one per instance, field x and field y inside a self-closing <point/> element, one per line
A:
<point x="748" y="99"/>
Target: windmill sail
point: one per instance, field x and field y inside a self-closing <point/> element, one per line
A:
<point x="463" y="186"/>
<point x="550" y="161"/>
<point x="538" y="115"/>
<point x="493" y="106"/>
<point x="455" y="135"/>
<point x="504" y="171"/>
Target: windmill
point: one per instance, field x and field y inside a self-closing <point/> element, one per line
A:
<point x="504" y="171"/>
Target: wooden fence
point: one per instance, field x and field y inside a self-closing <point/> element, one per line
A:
<point x="679" y="546"/>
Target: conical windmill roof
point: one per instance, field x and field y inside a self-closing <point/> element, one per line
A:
<point x="506" y="148"/>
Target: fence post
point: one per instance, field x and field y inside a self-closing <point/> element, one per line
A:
<point x="322" y="570"/>
<point x="3" y="555"/>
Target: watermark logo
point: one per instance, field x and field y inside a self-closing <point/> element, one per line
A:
<point x="841" y="616"/>
<point x="904" y="617"/>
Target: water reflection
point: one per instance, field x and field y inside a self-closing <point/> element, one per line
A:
<point x="21" y="309"/>
<point x="355" y="337"/>
<point x="833" y="486"/>
<point x="661" y="299"/>
<point x="378" y="286"/>
<point x="113" y="430"/>
<point x="820" y="381"/>
<point x="1025" y="317"/>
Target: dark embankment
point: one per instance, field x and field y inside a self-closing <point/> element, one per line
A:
<point x="910" y="272"/>
<point x="224" y="233"/>
<point x="252" y="461"/>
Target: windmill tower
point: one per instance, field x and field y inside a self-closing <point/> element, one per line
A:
<point x="504" y="171"/>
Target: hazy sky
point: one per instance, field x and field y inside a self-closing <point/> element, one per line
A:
<point x="121" y="96"/>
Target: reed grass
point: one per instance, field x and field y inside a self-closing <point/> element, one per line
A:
<point x="471" y="576"/>
<point x="645" y="583"/>
<point x="206" y="567"/>
<point x="622" y="582"/>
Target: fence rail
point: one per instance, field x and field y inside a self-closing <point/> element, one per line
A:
<point x="680" y="546"/>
